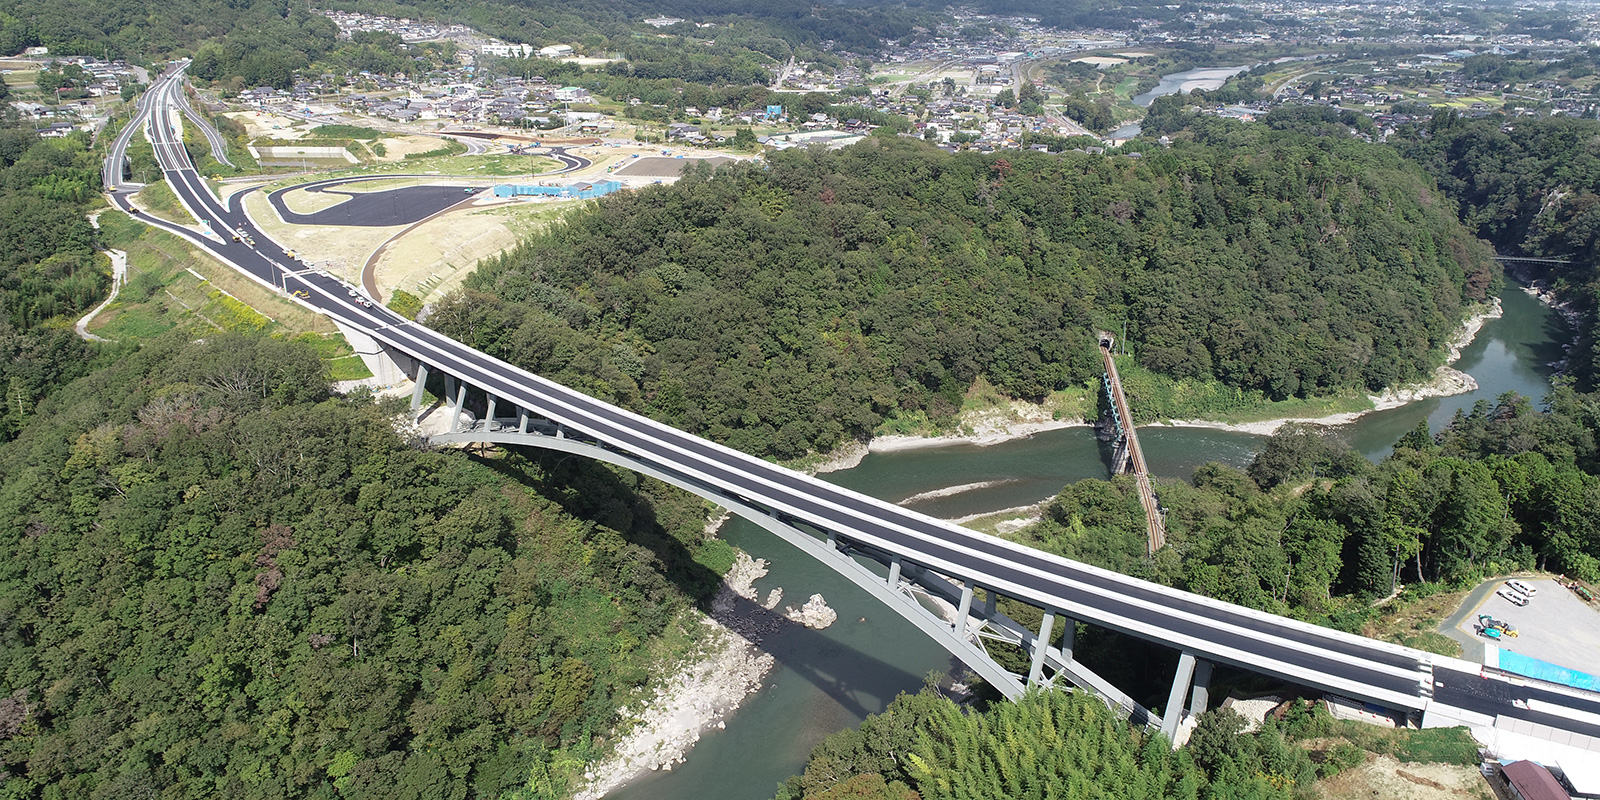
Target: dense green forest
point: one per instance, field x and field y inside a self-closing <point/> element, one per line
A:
<point x="794" y="305"/>
<point x="220" y="582"/>
<point x="1529" y="187"/>
<point x="264" y="41"/>
<point x="1314" y="530"/>
<point x="49" y="271"/>
<point x="1063" y="744"/>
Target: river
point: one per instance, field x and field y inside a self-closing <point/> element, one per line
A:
<point x="829" y="680"/>
<point x="1206" y="78"/>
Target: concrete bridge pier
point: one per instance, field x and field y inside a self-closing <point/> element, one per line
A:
<point x="1193" y="674"/>
<point x="387" y="365"/>
<point x="419" y="385"/>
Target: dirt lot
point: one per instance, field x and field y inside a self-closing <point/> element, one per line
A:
<point x="1555" y="627"/>
<point x="396" y="148"/>
<point x="270" y="125"/>
<point x="435" y="257"/>
<point x="337" y="247"/>
<point x="1384" y="777"/>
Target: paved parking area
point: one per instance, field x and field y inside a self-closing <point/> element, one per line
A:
<point x="664" y="167"/>
<point x="1556" y="627"/>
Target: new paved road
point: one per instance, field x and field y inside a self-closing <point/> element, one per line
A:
<point x="401" y="206"/>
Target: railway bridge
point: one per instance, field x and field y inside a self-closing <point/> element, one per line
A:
<point x="1126" y="455"/>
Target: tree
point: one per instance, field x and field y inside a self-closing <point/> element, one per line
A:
<point x="405" y="304"/>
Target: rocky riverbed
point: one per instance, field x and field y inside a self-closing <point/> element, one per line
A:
<point x="657" y="733"/>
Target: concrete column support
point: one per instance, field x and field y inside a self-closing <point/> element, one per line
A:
<point x="894" y="573"/>
<point x="522" y="420"/>
<point x="416" y="391"/>
<point x="1202" y="688"/>
<point x="1067" y="635"/>
<point x="488" y="416"/>
<point x="455" y="413"/>
<point x="965" y="609"/>
<point x="989" y="602"/>
<point x="1180" y="689"/>
<point x="1041" y="643"/>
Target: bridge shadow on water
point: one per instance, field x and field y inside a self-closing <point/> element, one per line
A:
<point x="629" y="504"/>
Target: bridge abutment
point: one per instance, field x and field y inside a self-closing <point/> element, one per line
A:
<point x="388" y="366"/>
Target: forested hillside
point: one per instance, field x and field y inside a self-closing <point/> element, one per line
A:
<point x="260" y="42"/>
<point x="1530" y="187"/>
<point x="49" y="271"/>
<point x="797" y="304"/>
<point x="1314" y="530"/>
<point x="1066" y="744"/>
<point x="219" y="582"/>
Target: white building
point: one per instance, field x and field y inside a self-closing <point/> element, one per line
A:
<point x="555" y="51"/>
<point x="507" y="50"/>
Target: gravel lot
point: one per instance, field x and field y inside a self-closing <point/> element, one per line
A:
<point x="1556" y="627"/>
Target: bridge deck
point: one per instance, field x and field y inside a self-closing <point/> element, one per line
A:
<point x="1155" y="526"/>
<point x="1298" y="652"/>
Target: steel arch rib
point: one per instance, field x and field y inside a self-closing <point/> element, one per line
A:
<point x="968" y="652"/>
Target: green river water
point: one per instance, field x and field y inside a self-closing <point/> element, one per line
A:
<point x="828" y="680"/>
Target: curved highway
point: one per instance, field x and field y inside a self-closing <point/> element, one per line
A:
<point x="219" y="146"/>
<point x="399" y="206"/>
<point x="1298" y="652"/>
<point x="570" y="162"/>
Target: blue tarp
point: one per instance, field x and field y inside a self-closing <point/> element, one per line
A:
<point x="581" y="191"/>
<point x="1546" y="671"/>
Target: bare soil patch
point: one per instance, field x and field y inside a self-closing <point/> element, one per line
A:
<point x="1382" y="776"/>
<point x="341" y="249"/>
<point x="435" y="257"/>
<point x="265" y="124"/>
<point x="398" y="147"/>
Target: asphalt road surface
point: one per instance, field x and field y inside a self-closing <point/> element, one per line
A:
<point x="377" y="209"/>
<point x="1525" y="700"/>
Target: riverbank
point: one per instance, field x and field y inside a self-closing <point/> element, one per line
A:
<point x="1017" y="419"/>
<point x="1013" y="419"/>
<point x="1446" y="382"/>
<point x="694" y="696"/>
<point x="697" y="695"/>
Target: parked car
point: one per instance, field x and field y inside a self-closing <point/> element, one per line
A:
<point x="1513" y="597"/>
<point x="1522" y="587"/>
